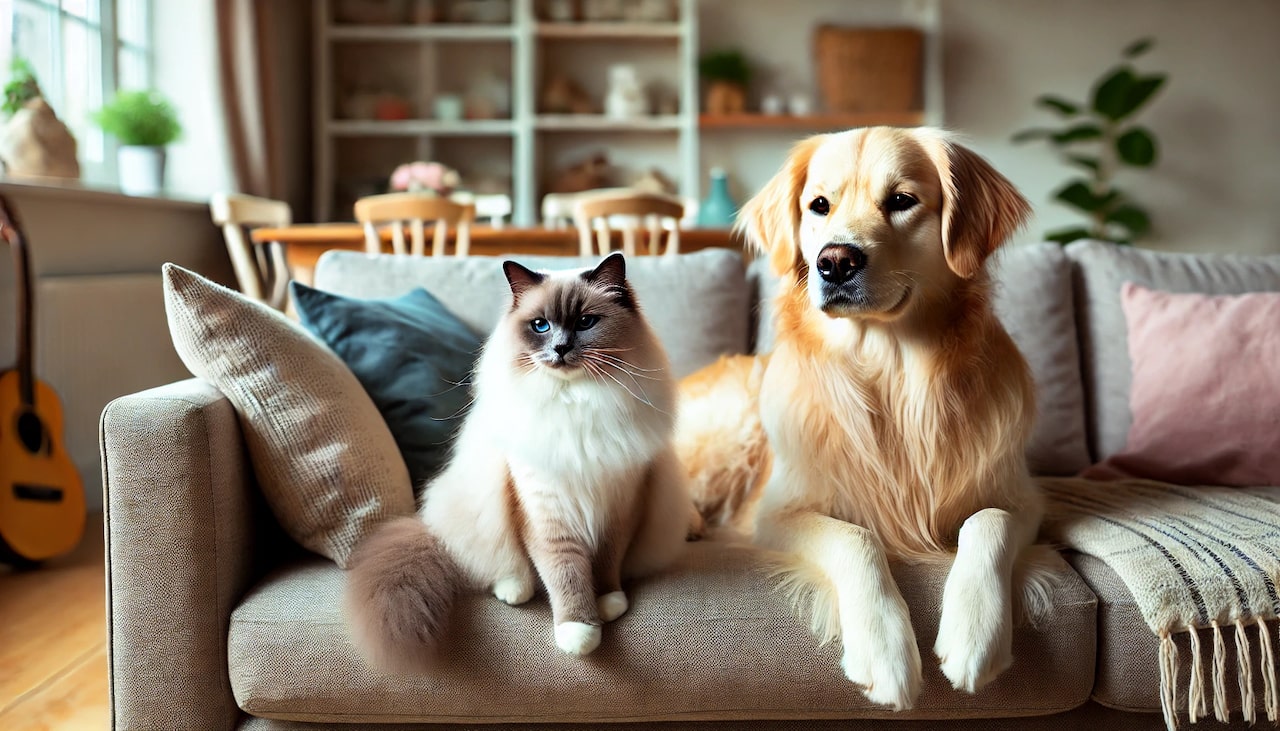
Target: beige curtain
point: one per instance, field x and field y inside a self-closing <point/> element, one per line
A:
<point x="264" y="51"/>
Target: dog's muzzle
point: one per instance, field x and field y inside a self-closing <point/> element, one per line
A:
<point x="838" y="263"/>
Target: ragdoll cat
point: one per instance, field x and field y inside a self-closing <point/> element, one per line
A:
<point x="563" y="472"/>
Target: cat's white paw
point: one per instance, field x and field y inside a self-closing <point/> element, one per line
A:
<point x="885" y="660"/>
<point x="612" y="605"/>
<point x="577" y="638"/>
<point x="975" y="634"/>
<point x="513" y="591"/>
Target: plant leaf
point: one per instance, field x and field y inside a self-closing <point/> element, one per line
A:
<point x="1058" y="104"/>
<point x="1132" y="218"/>
<point x="1065" y="236"/>
<point x="1078" y="133"/>
<point x="1143" y="88"/>
<point x="1078" y="193"/>
<point x="1137" y="147"/>
<point x="1084" y="161"/>
<point x="1111" y="97"/>
<point x="1139" y="47"/>
<point x="1034" y="133"/>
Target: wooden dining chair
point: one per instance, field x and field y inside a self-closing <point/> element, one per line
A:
<point x="599" y="211"/>
<point x="414" y="210"/>
<point x="261" y="270"/>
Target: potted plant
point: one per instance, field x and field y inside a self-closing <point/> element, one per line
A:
<point x="726" y="73"/>
<point x="1100" y="139"/>
<point x="144" y="123"/>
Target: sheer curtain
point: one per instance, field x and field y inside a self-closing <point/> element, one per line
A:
<point x="264" y="52"/>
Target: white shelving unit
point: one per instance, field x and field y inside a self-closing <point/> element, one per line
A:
<point x="354" y="156"/>
<point x="530" y="143"/>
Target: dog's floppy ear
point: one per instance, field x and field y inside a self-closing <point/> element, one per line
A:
<point x="980" y="207"/>
<point x="771" y="218"/>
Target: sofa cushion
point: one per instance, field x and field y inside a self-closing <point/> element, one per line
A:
<point x="707" y="640"/>
<point x="324" y="458"/>
<point x="1188" y="389"/>
<point x="1033" y="299"/>
<point x="412" y="356"/>
<point x="696" y="303"/>
<point x="1101" y="270"/>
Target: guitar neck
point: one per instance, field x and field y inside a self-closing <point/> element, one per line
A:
<point x="12" y="233"/>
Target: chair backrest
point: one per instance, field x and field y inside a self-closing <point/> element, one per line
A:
<point x="599" y="211"/>
<point x="414" y="209"/>
<point x="261" y="270"/>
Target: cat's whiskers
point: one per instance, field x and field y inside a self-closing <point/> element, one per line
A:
<point x="630" y="369"/>
<point x="626" y="388"/>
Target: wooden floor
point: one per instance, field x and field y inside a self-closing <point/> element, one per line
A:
<point x="53" y="662"/>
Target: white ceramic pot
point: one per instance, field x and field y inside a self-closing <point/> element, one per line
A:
<point x="141" y="170"/>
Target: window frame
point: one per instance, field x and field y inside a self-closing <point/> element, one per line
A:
<point x="110" y="46"/>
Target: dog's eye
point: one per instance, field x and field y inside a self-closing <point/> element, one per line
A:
<point x="820" y="206"/>
<point x="899" y="202"/>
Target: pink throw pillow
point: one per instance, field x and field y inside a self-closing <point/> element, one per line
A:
<point x="1206" y="389"/>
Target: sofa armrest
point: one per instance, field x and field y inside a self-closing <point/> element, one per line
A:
<point x="182" y="519"/>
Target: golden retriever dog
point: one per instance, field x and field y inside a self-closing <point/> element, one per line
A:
<point x="896" y="407"/>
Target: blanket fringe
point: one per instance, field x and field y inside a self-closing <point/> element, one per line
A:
<point x="1169" y="680"/>
<point x="1244" y="674"/>
<point x="1269" y="698"/>
<point x="1195" y="694"/>
<point x="1220" y="708"/>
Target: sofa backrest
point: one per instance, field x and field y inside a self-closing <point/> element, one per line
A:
<point x="1099" y="271"/>
<point x="697" y="303"/>
<point x="1033" y="299"/>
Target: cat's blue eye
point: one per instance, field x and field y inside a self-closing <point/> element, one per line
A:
<point x="586" y="322"/>
<point x="539" y="325"/>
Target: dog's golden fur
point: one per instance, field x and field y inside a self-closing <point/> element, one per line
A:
<point x="902" y="410"/>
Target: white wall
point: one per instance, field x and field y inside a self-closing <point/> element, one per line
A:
<point x="186" y="70"/>
<point x="1217" y="186"/>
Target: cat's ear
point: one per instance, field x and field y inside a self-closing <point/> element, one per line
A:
<point x="612" y="272"/>
<point x="520" y="278"/>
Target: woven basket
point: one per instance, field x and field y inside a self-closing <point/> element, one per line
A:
<point x="869" y="69"/>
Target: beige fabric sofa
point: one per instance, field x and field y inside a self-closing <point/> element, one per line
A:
<point x="217" y="622"/>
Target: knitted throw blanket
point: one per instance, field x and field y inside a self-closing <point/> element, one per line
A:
<point x="1193" y="558"/>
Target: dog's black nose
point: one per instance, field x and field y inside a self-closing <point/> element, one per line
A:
<point x="837" y="263"/>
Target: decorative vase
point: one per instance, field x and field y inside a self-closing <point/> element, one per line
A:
<point x="141" y="169"/>
<point x="717" y="210"/>
<point x="626" y="98"/>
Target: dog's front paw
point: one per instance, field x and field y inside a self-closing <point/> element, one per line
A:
<point x="577" y="638"/>
<point x="513" y="590"/>
<point x="612" y="605"/>
<point x="975" y="633"/>
<point x="885" y="662"/>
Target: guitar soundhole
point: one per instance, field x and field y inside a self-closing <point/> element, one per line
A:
<point x="31" y="433"/>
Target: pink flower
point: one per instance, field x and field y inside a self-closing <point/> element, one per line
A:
<point x="419" y="175"/>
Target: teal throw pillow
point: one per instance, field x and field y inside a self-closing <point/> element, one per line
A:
<point x="412" y="355"/>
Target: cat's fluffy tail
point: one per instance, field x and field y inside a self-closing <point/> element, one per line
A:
<point x="401" y="588"/>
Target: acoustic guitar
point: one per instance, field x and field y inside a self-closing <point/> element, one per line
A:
<point x="41" y="495"/>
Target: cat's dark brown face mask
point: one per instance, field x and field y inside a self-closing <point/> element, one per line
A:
<point x="575" y="325"/>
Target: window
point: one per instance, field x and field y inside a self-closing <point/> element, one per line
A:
<point x="81" y="52"/>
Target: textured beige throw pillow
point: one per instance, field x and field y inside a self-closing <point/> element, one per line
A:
<point x="323" y="456"/>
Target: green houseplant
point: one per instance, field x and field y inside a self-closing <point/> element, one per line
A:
<point x="727" y="74"/>
<point x="1100" y="138"/>
<point x="21" y="88"/>
<point x="144" y="123"/>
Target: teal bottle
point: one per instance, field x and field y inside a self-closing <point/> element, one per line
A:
<point x="717" y="210"/>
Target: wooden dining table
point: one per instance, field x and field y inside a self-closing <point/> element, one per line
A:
<point x="304" y="243"/>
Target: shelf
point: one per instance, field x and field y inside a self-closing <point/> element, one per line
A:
<point x="835" y="121"/>
<point x="596" y="122"/>
<point x="417" y="127"/>
<point x="614" y="31"/>
<point x="438" y="32"/>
